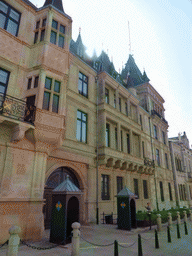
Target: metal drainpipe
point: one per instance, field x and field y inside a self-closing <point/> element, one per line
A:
<point x="97" y="160"/>
<point x="157" y="204"/>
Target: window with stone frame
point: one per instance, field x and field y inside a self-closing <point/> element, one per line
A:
<point x="81" y="134"/>
<point x="126" y="109"/>
<point x="161" y="191"/>
<point x="51" y="95"/>
<point x="136" y="187"/>
<point x="107" y="95"/>
<point x="4" y="79"/>
<point x="105" y="195"/>
<point x="33" y="82"/>
<point x="119" y="184"/>
<point x="145" y="189"/>
<point x="9" y="18"/>
<point x="57" y="34"/>
<point x="120" y="104"/>
<point x="116" y="139"/>
<point x="40" y="30"/>
<point x="83" y="85"/>
<point x="163" y="137"/>
<point x="155" y="131"/>
<point x="170" y="192"/>
<point x="128" y="143"/>
<point x="114" y="100"/>
<point x="107" y="135"/>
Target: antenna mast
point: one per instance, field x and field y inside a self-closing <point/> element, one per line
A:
<point x="129" y="39"/>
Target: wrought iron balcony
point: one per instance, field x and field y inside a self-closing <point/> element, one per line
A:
<point x="154" y="112"/>
<point x="149" y="162"/>
<point x="16" y="109"/>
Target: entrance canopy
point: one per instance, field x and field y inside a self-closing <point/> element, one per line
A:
<point x="67" y="187"/>
<point x="125" y="192"/>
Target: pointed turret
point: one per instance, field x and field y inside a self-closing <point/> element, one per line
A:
<point x="80" y="46"/>
<point x="145" y="77"/>
<point x="56" y="3"/>
<point x="133" y="71"/>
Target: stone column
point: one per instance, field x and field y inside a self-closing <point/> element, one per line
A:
<point x="159" y="225"/>
<point x="169" y="219"/>
<point x="75" y="239"/>
<point x="49" y="25"/>
<point x="40" y="96"/>
<point x="14" y="241"/>
<point x="185" y="216"/>
<point x="178" y="218"/>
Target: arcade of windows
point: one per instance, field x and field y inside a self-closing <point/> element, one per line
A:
<point x="57" y="34"/>
<point x="178" y="164"/>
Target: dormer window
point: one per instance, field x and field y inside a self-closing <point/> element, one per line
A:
<point x="9" y="18"/>
<point x="57" y="34"/>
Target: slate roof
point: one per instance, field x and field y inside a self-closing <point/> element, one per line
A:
<point x="67" y="186"/>
<point x="127" y="193"/>
<point x="56" y="3"/>
<point x="30" y="4"/>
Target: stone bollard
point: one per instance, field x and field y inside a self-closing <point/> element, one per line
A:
<point x="159" y="225"/>
<point x="75" y="239"/>
<point x="185" y="216"/>
<point x="178" y="218"/>
<point x="169" y="219"/>
<point x="14" y="241"/>
<point x="190" y="217"/>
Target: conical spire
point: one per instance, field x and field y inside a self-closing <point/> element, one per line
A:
<point x="133" y="71"/>
<point x="56" y="3"/>
<point x="145" y="77"/>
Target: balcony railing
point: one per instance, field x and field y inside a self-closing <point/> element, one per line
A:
<point x="154" y="112"/>
<point x="149" y="162"/>
<point x="16" y="109"/>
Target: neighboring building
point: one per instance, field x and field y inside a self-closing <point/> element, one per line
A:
<point x="181" y="155"/>
<point x="64" y="113"/>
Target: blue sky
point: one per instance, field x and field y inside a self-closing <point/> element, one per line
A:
<point x="161" y="42"/>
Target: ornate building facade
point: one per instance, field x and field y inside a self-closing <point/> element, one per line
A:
<point x="63" y="113"/>
<point x="181" y="155"/>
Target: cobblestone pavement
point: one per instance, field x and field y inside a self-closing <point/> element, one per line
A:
<point x="127" y="242"/>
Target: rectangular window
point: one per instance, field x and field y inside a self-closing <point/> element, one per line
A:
<point x="141" y="123"/>
<point x="170" y="192"/>
<point x="163" y="136"/>
<point x="81" y="126"/>
<point x="121" y="140"/>
<point x="4" y="78"/>
<point x="143" y="147"/>
<point x="157" y="157"/>
<point x="128" y="143"/>
<point x="53" y="37"/>
<point x="119" y="184"/>
<point x="46" y="100"/>
<point x="120" y="104"/>
<point x="61" y="41"/>
<point x="184" y="193"/>
<point x="37" y="24"/>
<point x="42" y="35"/>
<point x="62" y="29"/>
<point x="126" y="109"/>
<point x="114" y="103"/>
<point x="116" y="139"/>
<point x="161" y="190"/>
<point x="55" y="105"/>
<point x="107" y="136"/>
<point x="36" y="82"/>
<point x="136" y="187"/>
<point x="106" y="95"/>
<point x="44" y="22"/>
<point x="155" y="131"/>
<point x="145" y="189"/>
<point x="36" y="37"/>
<point x="29" y="83"/>
<point x="9" y="18"/>
<point x="57" y="85"/>
<point x="166" y="161"/>
<point x="83" y="84"/>
<point x="105" y="187"/>
<point x="48" y="83"/>
<point x="54" y="24"/>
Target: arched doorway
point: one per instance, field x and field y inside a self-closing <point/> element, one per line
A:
<point x="133" y="214"/>
<point x="72" y="213"/>
<point x="55" y="179"/>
